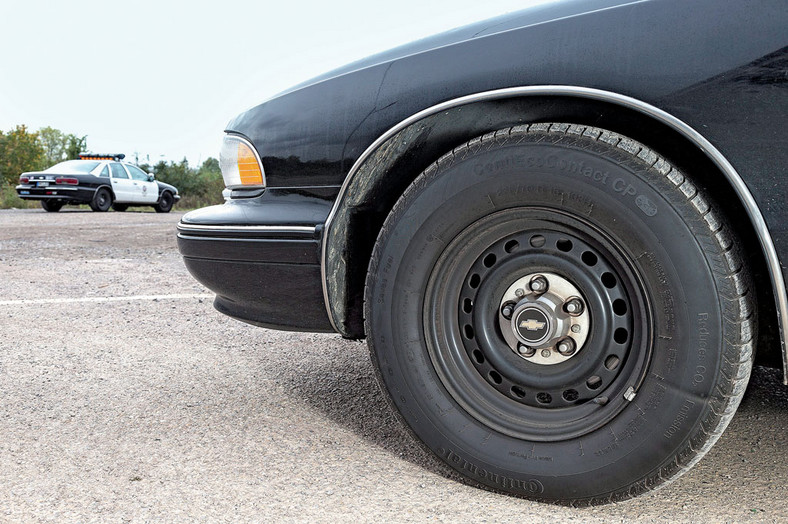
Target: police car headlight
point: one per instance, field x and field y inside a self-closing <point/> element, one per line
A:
<point x="240" y="164"/>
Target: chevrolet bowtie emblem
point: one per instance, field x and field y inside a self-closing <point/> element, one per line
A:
<point x="531" y="324"/>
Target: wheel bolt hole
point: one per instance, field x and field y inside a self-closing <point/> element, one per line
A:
<point x="612" y="362"/>
<point x="564" y="245"/>
<point x="512" y="245"/>
<point x="468" y="331"/>
<point x="518" y="392"/>
<point x="495" y="377"/>
<point x="537" y="241"/>
<point x="467" y="305"/>
<point x="544" y="398"/>
<point x="619" y="307"/>
<point x="474" y="281"/>
<point x="570" y="395"/>
<point x="478" y="356"/>
<point x="621" y="335"/>
<point x="608" y="280"/>
<point x="589" y="258"/>
<point x="594" y="382"/>
<point x="489" y="260"/>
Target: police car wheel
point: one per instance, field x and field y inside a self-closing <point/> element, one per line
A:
<point x="102" y="200"/>
<point x="558" y="313"/>
<point x="51" y="206"/>
<point x="165" y="203"/>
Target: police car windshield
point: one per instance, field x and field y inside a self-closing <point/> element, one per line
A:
<point x="74" y="166"/>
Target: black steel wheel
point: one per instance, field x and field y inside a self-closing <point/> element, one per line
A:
<point x="102" y="200"/>
<point x="51" y="206"/>
<point x="557" y="313"/>
<point x="166" y="201"/>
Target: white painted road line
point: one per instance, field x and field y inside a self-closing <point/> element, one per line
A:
<point x="100" y="299"/>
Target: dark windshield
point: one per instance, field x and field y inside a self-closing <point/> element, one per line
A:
<point x="74" y="166"/>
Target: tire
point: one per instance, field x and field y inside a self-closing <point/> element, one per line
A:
<point x="120" y="207"/>
<point x="165" y="203"/>
<point x="51" y="206"/>
<point x="479" y="261"/>
<point x="102" y="200"/>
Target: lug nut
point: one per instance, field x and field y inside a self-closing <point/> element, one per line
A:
<point x="507" y="311"/>
<point x="566" y="347"/>
<point x="525" y="351"/>
<point x="538" y="284"/>
<point x="574" y="306"/>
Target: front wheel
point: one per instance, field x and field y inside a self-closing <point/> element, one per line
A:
<point x="165" y="203"/>
<point x="559" y="314"/>
<point x="102" y="200"/>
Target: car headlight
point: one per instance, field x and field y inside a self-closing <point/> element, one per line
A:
<point x="240" y="164"/>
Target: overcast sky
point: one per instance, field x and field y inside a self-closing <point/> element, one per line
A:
<point x="162" y="78"/>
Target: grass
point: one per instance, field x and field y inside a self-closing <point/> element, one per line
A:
<point x="10" y="200"/>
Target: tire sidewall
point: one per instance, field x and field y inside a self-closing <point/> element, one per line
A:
<point x="670" y="249"/>
<point x="96" y="205"/>
<point x="165" y="204"/>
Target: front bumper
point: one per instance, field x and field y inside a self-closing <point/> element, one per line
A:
<point x="264" y="271"/>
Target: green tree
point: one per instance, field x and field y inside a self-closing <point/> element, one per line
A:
<point x="59" y="146"/>
<point x="75" y="145"/>
<point x="53" y="141"/>
<point x="20" y="151"/>
<point x="211" y="165"/>
<point x="198" y="187"/>
<point x="211" y="181"/>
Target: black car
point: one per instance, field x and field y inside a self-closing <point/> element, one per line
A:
<point x="562" y="232"/>
<point x="100" y="181"/>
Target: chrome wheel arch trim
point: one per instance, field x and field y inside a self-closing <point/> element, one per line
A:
<point x="753" y="211"/>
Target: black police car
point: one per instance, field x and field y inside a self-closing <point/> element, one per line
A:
<point x="100" y="181"/>
<point x="562" y="232"/>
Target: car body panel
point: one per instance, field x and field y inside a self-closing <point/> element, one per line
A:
<point x="305" y="141"/>
<point x="718" y="66"/>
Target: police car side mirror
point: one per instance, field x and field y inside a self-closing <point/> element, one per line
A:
<point x="150" y="177"/>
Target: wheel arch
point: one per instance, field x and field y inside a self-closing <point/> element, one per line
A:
<point x="107" y="187"/>
<point x="395" y="159"/>
<point x="162" y="191"/>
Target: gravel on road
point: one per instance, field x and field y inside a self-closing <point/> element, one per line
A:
<point x="124" y="396"/>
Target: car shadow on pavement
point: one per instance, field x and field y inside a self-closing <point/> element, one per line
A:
<point x="340" y="383"/>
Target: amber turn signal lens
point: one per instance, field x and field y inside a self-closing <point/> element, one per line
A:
<point x="248" y="168"/>
<point x="240" y="164"/>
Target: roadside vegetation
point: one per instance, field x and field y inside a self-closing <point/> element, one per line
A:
<point x="22" y="150"/>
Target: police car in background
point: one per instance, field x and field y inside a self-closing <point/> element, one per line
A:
<point x="101" y="181"/>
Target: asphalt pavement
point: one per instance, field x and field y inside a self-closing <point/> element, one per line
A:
<point x="125" y="397"/>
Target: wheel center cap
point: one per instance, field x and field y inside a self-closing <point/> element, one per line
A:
<point x="532" y="325"/>
<point x="544" y="318"/>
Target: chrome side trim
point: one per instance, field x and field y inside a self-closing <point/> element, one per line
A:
<point x="39" y="197"/>
<point x="764" y="237"/>
<point x="260" y="229"/>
